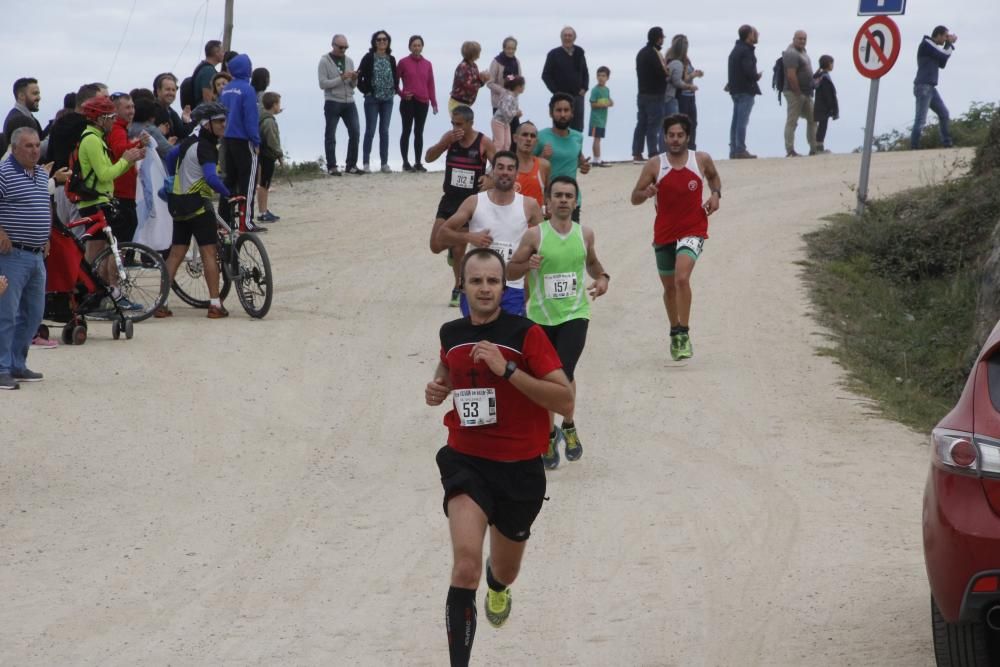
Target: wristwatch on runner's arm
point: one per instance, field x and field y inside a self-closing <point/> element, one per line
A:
<point x="511" y="367"/>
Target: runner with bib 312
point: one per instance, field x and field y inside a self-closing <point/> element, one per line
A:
<point x="676" y="179"/>
<point x="555" y="256"/>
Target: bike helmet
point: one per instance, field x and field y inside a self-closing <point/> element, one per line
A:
<point x="208" y="111"/>
<point x="96" y="107"/>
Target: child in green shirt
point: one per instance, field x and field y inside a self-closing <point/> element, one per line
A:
<point x="600" y="100"/>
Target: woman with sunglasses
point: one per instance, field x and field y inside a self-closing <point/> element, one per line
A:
<point x="378" y="81"/>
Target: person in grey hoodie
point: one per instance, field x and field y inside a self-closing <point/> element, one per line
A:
<point x="338" y="79"/>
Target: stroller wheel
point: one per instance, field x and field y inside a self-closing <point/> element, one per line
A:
<point x="129" y="332"/>
<point x="116" y="330"/>
<point x="79" y="334"/>
<point x="67" y="334"/>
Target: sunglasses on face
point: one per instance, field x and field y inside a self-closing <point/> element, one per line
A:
<point x="529" y="135"/>
<point x="341" y="46"/>
<point x="114" y="97"/>
<point x="381" y="39"/>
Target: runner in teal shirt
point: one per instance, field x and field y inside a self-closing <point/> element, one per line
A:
<point x="563" y="146"/>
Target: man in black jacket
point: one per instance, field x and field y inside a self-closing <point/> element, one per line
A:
<point x="649" y="103"/>
<point x="742" y="87"/>
<point x="26" y="98"/>
<point x="566" y="71"/>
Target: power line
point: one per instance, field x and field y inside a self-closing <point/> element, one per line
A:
<point x="114" y="60"/>
<point x="194" y="22"/>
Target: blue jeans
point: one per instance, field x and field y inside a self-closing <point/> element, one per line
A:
<point x="670" y="107"/>
<point x="333" y="112"/>
<point x="382" y="109"/>
<point x="21" y="307"/>
<point x="648" y="125"/>
<point x="928" y="98"/>
<point x="742" y="105"/>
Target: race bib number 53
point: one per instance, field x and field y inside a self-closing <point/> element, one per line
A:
<point x="476" y="407"/>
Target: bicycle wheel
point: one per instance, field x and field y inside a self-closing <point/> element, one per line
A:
<point x="189" y="281"/>
<point x="254" y="284"/>
<point x="145" y="282"/>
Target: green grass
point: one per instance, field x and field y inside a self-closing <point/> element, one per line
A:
<point x="897" y="291"/>
<point x="300" y="171"/>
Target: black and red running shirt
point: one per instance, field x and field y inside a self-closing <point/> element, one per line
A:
<point x="521" y="431"/>
<point x="463" y="167"/>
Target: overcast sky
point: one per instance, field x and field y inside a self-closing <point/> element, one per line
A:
<point x="289" y="42"/>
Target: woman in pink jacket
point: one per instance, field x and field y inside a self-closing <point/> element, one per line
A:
<point x="416" y="90"/>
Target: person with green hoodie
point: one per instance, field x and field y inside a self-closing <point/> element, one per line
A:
<point x="98" y="174"/>
<point x="270" y="152"/>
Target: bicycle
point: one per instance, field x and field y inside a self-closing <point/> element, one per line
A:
<point x="243" y="261"/>
<point x="137" y="272"/>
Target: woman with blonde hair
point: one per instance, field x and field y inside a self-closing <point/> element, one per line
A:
<point x="468" y="79"/>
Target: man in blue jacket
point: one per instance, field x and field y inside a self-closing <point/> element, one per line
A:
<point x="932" y="55"/>
<point x="242" y="138"/>
<point x="742" y="86"/>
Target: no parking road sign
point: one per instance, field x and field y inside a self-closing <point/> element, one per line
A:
<point x="876" y="47"/>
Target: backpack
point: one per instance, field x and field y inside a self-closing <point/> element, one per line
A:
<point x="778" y="76"/>
<point x="189" y="96"/>
<point x="77" y="187"/>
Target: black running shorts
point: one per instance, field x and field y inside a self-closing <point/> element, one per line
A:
<point x="568" y="338"/>
<point x="509" y="493"/>
<point x="202" y="227"/>
<point x="448" y="207"/>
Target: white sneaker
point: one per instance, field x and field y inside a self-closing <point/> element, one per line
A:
<point x="367" y="168"/>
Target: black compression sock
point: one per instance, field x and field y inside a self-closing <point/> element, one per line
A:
<point x="460" y="622"/>
<point x="567" y="425"/>
<point x="683" y="329"/>
<point x="493" y="582"/>
<point x="674" y="331"/>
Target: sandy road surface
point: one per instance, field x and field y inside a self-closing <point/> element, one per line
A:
<point x="264" y="492"/>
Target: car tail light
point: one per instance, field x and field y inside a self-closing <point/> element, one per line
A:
<point x="963" y="453"/>
<point x="988" y="584"/>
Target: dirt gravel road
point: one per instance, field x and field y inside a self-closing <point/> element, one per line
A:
<point x="246" y="492"/>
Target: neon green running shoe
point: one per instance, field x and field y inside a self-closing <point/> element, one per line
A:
<point x="551" y="457"/>
<point x="498" y="606"/>
<point x="684" y="349"/>
<point x="574" y="449"/>
<point x="675" y="346"/>
<point x="454" y="298"/>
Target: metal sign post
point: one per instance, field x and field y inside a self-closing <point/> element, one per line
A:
<point x="876" y="49"/>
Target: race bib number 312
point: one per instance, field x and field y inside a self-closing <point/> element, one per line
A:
<point x="476" y="407"/>
<point x="463" y="178"/>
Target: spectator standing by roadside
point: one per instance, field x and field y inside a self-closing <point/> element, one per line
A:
<point x="25" y="223"/>
<point x="676" y="59"/>
<point x="201" y="78"/>
<point x="566" y="71"/>
<point x="649" y="102"/>
<point x="118" y="142"/>
<point x="742" y="85"/>
<point x="826" y="106"/>
<point x="600" y="102"/>
<point x="468" y="79"/>
<point x="220" y="81"/>
<point x="260" y="79"/>
<point x="270" y="152"/>
<point x="378" y="81"/>
<point x="241" y="139"/>
<point x="27" y="95"/>
<point x="165" y="89"/>
<point x="686" y="103"/>
<point x="503" y="67"/>
<point x="932" y="55"/>
<point x="338" y="79"/>
<point x="507" y="112"/>
<point x="416" y="92"/>
<point x="64" y="135"/>
<point x="798" y="93"/>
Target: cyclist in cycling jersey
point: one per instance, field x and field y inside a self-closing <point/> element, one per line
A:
<point x="193" y="165"/>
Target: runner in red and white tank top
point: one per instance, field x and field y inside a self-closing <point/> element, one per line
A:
<point x="676" y="179"/>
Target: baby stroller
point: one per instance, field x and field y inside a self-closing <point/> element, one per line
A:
<point x="77" y="290"/>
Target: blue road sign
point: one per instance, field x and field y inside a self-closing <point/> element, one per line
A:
<point x="881" y="7"/>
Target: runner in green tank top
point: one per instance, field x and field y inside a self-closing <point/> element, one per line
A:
<point x="554" y="256"/>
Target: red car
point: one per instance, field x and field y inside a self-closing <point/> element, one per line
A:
<point x="962" y="520"/>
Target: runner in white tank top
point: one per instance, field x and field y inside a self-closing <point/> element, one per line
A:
<point x="495" y="219"/>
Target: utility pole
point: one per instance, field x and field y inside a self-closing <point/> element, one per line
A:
<point x="227" y="29"/>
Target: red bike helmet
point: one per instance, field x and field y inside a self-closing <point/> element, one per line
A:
<point x="96" y="107"/>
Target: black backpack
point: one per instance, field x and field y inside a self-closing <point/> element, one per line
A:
<point x="77" y="188"/>
<point x="189" y="96"/>
<point x="778" y="76"/>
